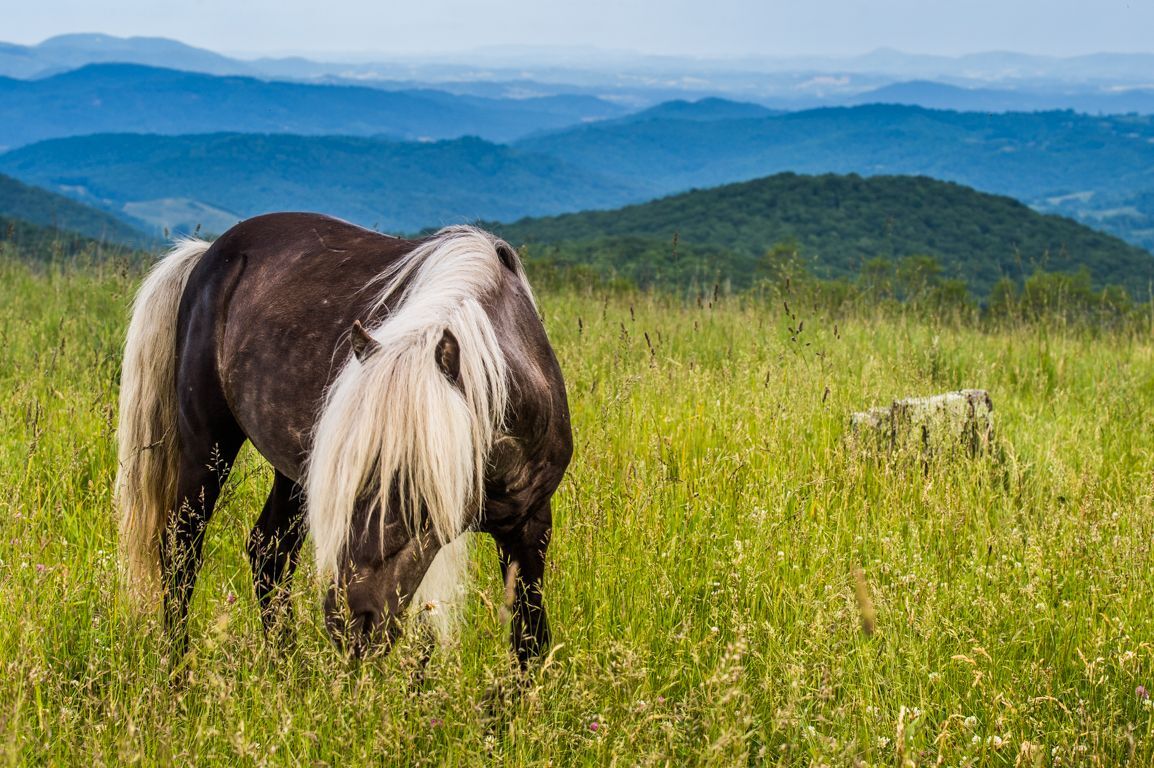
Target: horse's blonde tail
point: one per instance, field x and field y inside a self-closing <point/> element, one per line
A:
<point x="146" y="434"/>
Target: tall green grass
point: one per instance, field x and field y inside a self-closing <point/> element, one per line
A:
<point x="701" y="577"/>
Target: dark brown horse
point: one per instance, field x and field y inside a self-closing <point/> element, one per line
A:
<point x="403" y="391"/>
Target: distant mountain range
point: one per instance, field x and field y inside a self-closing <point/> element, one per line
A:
<point x="1097" y="169"/>
<point x="129" y="97"/>
<point x="214" y="180"/>
<point x="936" y="95"/>
<point x="1097" y="82"/>
<point x="702" y="110"/>
<point x="65" y="52"/>
<point x="113" y="98"/>
<point x="836" y="224"/>
<point x="1027" y="156"/>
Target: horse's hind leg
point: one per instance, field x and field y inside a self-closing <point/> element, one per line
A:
<point x="522" y="555"/>
<point x="208" y="450"/>
<point x="273" y="549"/>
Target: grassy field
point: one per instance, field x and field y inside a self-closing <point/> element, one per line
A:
<point x="701" y="578"/>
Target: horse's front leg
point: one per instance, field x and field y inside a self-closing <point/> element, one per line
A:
<point x="522" y="554"/>
<point x="274" y="547"/>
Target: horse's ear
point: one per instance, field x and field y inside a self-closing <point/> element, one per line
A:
<point x="448" y="357"/>
<point x="507" y="256"/>
<point x="364" y="345"/>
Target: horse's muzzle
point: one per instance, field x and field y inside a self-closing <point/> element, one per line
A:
<point x="358" y="630"/>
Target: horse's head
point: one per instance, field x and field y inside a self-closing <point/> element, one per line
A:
<point x="382" y="568"/>
<point x="403" y="436"/>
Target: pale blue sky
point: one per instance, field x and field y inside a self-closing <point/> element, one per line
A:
<point x="684" y="27"/>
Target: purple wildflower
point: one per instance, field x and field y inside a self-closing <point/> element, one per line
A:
<point x="230" y="598"/>
<point x="594" y="725"/>
<point x="1141" y="692"/>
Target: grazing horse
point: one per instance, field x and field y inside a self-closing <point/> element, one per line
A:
<point x="404" y="392"/>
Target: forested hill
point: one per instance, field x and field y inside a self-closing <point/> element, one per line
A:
<point x="836" y="224"/>
<point x="1095" y="168"/>
<point x="20" y="202"/>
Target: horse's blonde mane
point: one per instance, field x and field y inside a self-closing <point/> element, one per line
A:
<point x="394" y="425"/>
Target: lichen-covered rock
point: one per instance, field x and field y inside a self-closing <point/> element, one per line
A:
<point x="930" y="425"/>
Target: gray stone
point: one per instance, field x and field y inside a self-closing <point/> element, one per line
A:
<point x="930" y="425"/>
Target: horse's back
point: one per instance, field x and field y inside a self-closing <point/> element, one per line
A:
<point x="285" y="256"/>
<point x="267" y="314"/>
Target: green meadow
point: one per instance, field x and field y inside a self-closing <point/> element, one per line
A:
<point x="701" y="581"/>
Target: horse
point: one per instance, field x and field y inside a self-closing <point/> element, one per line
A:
<point x="403" y="390"/>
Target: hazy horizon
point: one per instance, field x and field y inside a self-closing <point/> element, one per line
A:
<point x="724" y="29"/>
